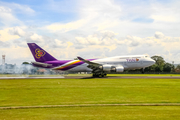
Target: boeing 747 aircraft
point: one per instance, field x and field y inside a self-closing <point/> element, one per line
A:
<point x="99" y="67"/>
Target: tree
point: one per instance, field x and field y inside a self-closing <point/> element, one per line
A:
<point x="158" y="66"/>
<point x="177" y="70"/>
<point x="178" y="67"/>
<point x="168" y="67"/>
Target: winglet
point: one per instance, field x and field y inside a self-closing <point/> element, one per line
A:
<point x="80" y="58"/>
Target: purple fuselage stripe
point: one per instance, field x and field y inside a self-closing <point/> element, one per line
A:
<point x="72" y="66"/>
<point x="57" y="63"/>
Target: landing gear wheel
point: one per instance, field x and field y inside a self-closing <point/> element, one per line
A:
<point x="99" y="74"/>
<point x="94" y="75"/>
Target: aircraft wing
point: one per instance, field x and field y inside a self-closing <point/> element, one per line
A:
<point x="91" y="65"/>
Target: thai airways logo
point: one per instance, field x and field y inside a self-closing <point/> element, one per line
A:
<point x="39" y="53"/>
<point x="132" y="60"/>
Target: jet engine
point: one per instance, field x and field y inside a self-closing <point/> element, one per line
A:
<point x="110" y="68"/>
<point x="119" y="69"/>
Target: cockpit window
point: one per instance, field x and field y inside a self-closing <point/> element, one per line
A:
<point x="124" y="58"/>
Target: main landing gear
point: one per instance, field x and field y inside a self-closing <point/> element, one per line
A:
<point x="99" y="74"/>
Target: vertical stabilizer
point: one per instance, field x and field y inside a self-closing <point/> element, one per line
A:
<point x="39" y="54"/>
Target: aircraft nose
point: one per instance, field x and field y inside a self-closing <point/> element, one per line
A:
<point x="153" y="61"/>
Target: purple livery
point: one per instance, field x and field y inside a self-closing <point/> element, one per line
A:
<point x="45" y="60"/>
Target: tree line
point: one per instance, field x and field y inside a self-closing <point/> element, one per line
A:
<point x="160" y="65"/>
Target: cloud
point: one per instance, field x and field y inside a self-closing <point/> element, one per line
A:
<point x="100" y="38"/>
<point x="159" y="35"/>
<point x="164" y="18"/>
<point x="4" y="44"/>
<point x="99" y="8"/>
<point x="66" y="27"/>
<point x="17" y="31"/>
<point x="36" y="38"/>
<point x="95" y="14"/>
<point x="6" y="36"/>
<point x="18" y="8"/>
<point x="7" y="18"/>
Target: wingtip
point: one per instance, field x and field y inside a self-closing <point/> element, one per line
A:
<point x="80" y="58"/>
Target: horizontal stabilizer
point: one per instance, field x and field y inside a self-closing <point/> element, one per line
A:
<point x="41" y="64"/>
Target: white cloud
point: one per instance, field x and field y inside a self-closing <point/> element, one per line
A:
<point x="18" y="8"/>
<point x="66" y="27"/>
<point x="17" y="31"/>
<point x="6" y="10"/>
<point x="7" y="17"/>
<point x="101" y="38"/>
<point x="36" y="37"/>
<point x="164" y="18"/>
<point x="6" y="36"/>
<point x="159" y="35"/>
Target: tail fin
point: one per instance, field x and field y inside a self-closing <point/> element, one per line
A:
<point x="39" y="54"/>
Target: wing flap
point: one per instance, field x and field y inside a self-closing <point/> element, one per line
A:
<point x="91" y="64"/>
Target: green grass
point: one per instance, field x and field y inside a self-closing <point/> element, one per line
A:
<point x="94" y="113"/>
<point x="34" y="92"/>
<point x="88" y="91"/>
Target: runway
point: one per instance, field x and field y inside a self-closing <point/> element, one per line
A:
<point x="90" y="77"/>
<point x="11" y="78"/>
<point x="123" y="77"/>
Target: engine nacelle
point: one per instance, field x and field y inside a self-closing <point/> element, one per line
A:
<point x="110" y="68"/>
<point x="106" y="68"/>
<point x="119" y="69"/>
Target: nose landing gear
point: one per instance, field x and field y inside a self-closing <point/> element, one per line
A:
<point x="142" y="71"/>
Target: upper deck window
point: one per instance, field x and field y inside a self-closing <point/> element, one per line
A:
<point x="124" y="58"/>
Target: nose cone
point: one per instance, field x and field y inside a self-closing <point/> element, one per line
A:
<point x="152" y="62"/>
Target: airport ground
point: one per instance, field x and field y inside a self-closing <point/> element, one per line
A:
<point x="143" y="98"/>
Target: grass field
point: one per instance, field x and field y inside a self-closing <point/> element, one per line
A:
<point x="94" y="113"/>
<point x="34" y="92"/>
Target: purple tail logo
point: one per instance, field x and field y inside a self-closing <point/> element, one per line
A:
<point x="39" y="53"/>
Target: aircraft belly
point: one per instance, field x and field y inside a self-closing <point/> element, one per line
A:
<point x="133" y="66"/>
<point x="80" y="68"/>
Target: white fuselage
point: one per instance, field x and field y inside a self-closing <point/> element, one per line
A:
<point x="128" y="62"/>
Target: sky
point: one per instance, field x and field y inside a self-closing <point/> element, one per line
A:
<point x="90" y="29"/>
